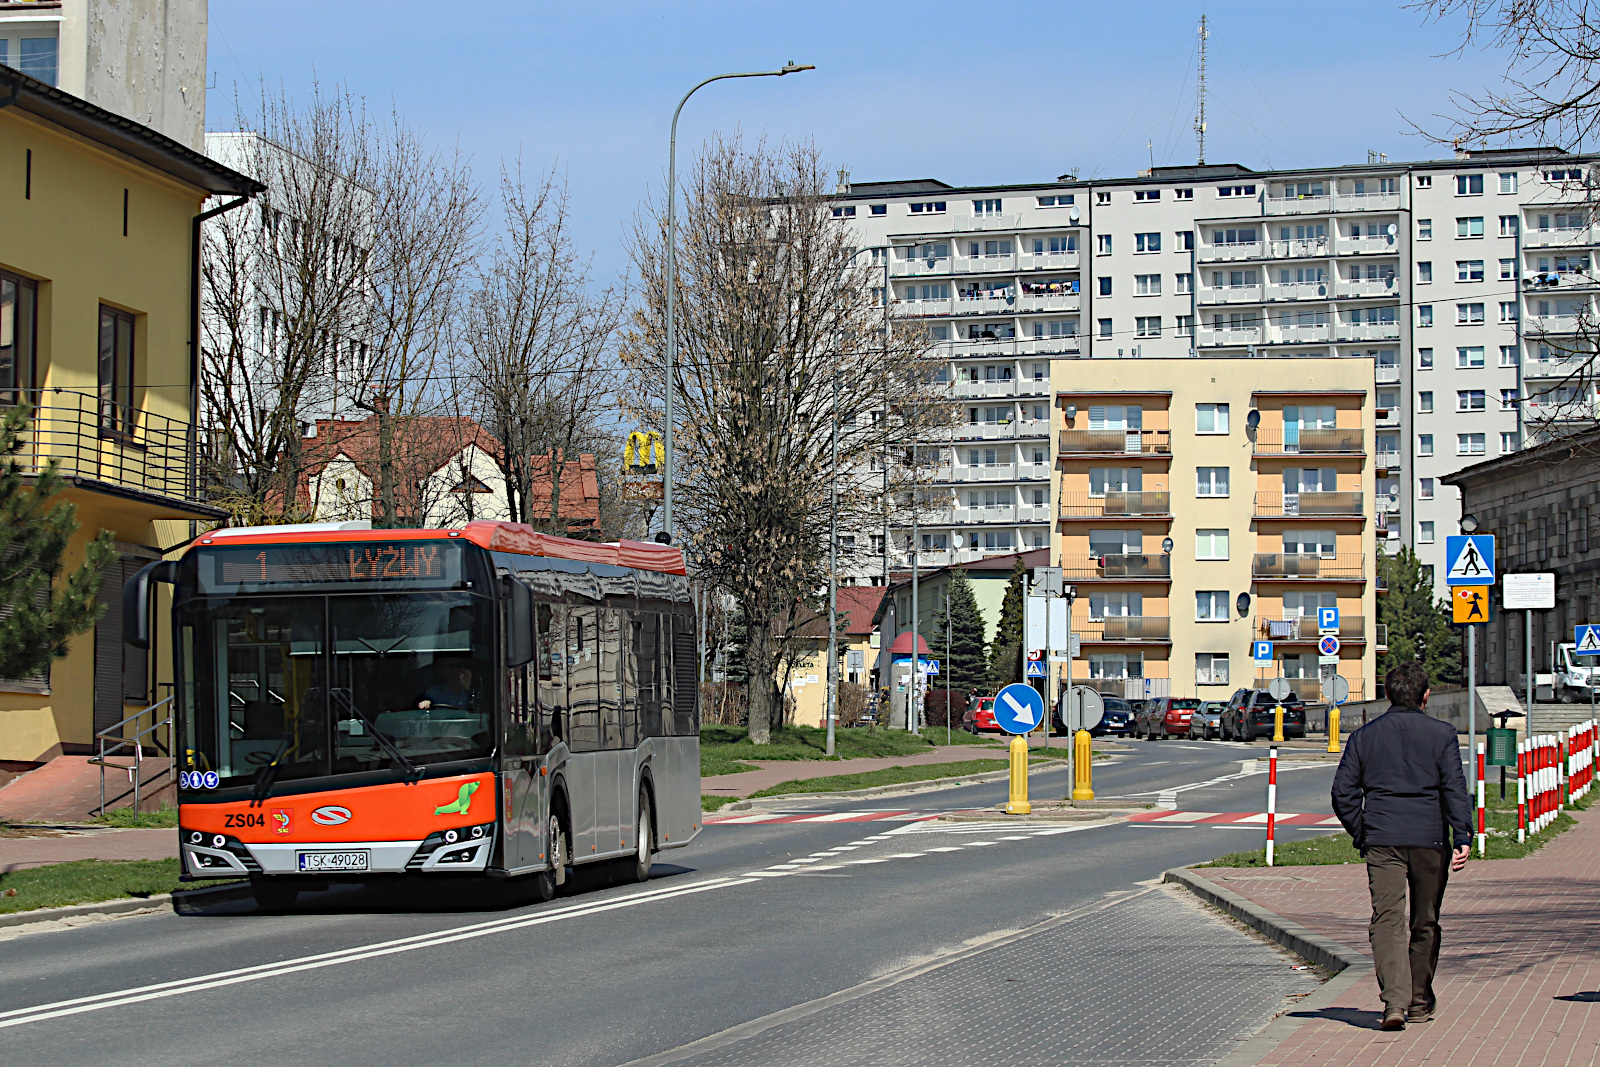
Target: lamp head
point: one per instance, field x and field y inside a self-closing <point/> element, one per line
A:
<point x="792" y="67"/>
<point x="1469" y="524"/>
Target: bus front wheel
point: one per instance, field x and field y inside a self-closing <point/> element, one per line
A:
<point x="647" y="839"/>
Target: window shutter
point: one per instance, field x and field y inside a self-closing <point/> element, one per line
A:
<point x="41" y="680"/>
<point x="685" y="678"/>
<point x="121" y="672"/>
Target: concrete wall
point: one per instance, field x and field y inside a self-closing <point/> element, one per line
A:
<point x="144" y="59"/>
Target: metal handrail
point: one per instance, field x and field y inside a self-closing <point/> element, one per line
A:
<point x="120" y="744"/>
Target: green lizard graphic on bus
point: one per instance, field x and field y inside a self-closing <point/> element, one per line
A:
<point x="462" y="802"/>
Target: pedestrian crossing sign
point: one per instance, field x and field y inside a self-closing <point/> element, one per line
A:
<point x="1035" y="669"/>
<point x="1469" y="559"/>
<point x="1469" y="604"/>
<point x="1586" y="638"/>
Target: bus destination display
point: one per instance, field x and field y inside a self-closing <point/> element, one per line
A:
<point x="431" y="564"/>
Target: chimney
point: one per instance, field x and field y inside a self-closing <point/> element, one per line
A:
<point x="844" y="182"/>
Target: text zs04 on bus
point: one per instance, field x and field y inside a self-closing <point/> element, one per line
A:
<point x="489" y="700"/>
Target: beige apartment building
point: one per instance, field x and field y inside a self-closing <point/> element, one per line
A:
<point x="1206" y="504"/>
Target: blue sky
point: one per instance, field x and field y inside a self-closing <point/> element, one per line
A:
<point x="966" y="93"/>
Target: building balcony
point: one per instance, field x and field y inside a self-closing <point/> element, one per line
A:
<point x="1311" y="333"/>
<point x="999" y="515"/>
<point x="911" y="268"/>
<point x="1302" y="629"/>
<point x="1119" y="567"/>
<point x="1033" y="472"/>
<point x="1382" y="244"/>
<point x="1306" y="248"/>
<point x="1115" y="442"/>
<point x="115" y="449"/>
<point x="1063" y="344"/>
<point x="986" y="390"/>
<point x="1367" y="201"/>
<point x="1557" y="368"/>
<point x="1227" y="253"/>
<point x="968" y="223"/>
<point x="1297" y="205"/>
<point x="1341" y="441"/>
<point x="1048" y="261"/>
<point x="1003" y="264"/>
<point x="1227" y="336"/>
<point x="1152" y="505"/>
<point x="1548" y="325"/>
<point x="1387" y="374"/>
<point x="1277" y="291"/>
<point x="1001" y="431"/>
<point x="1554" y="409"/>
<point x="1386" y="505"/>
<point x="1559" y="281"/>
<point x="1386" y="418"/>
<point x="1302" y="566"/>
<point x="1579" y="238"/>
<point x="1272" y="505"/>
<point x="1124" y="629"/>
<point x="1003" y="303"/>
<point x="1376" y="287"/>
<point x="1387" y="459"/>
<point x="924" y="308"/>
<point x="998" y="472"/>
<point x="1036" y="302"/>
<point x="1229" y="294"/>
<point x="1366" y="331"/>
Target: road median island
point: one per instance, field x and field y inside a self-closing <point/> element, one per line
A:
<point x="36" y="893"/>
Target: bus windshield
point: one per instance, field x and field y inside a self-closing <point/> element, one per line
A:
<point x="309" y="686"/>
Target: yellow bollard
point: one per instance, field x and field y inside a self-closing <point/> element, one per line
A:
<point x="1277" y="722"/>
<point x="1082" y="772"/>
<point x="1018" y="805"/>
<point x="1333" y="729"/>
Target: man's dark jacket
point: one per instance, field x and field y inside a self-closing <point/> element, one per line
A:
<point x="1400" y="783"/>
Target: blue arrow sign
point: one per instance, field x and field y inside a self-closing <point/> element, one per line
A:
<point x="1262" y="651"/>
<point x="1586" y="640"/>
<point x="1327" y="618"/>
<point x="1469" y="559"/>
<point x="1018" y="708"/>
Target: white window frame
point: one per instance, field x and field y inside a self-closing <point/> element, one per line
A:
<point x="1210" y="675"/>
<point x="1213" y="598"/>
<point x="1211" y="483"/>
<point x="1206" y="544"/>
<point x="1219" y="420"/>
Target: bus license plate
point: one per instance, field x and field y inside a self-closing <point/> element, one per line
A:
<point x="333" y="861"/>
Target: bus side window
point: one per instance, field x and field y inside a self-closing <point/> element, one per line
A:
<point x="685" y="678"/>
<point x="522" y="738"/>
<point x="610" y="679"/>
<point x="547" y="673"/>
<point x="646" y="646"/>
<point x="583" y="680"/>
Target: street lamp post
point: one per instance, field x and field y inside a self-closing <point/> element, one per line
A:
<point x="672" y="278"/>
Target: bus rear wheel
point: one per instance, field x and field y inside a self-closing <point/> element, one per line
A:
<point x="647" y="839"/>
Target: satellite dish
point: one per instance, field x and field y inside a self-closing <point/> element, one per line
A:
<point x="1166" y="545"/>
<point x="958" y="540"/>
<point x="1243" y="604"/>
<point x="1252" y="420"/>
<point x="1391" y="230"/>
<point x="1072" y="213"/>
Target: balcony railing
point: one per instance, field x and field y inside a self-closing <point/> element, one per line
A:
<point x="1346" y="246"/>
<point x="1049" y="260"/>
<point x="1367" y="201"/>
<point x="1366" y="331"/>
<point x="1551" y="324"/>
<point x="1228" y="336"/>
<point x="908" y="268"/>
<point x="1129" y="688"/>
<point x="1041" y="301"/>
<point x="1116" y="504"/>
<point x="1297" y="291"/>
<point x="985" y="302"/>
<point x="1316" y="332"/>
<point x="1303" y="442"/>
<point x="1212" y="253"/>
<point x="962" y="223"/>
<point x="1130" y="442"/>
<point x="1344" y="566"/>
<point x="1387" y="459"/>
<point x="1298" y="205"/>
<point x="986" y="264"/>
<point x="1127" y="628"/>
<point x="1365" y="288"/>
<point x="1304" y="248"/>
<point x="113" y="447"/>
<point x="1271" y="505"/>
<point x="1231" y="294"/>
<point x="1303" y="628"/>
<point x="1118" y="565"/>
<point x="1387" y="375"/>
<point x="1578" y="238"/>
<point x="1554" y="368"/>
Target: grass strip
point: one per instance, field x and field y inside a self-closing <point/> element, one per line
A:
<point x="711" y="766"/>
<point x="808" y="743"/>
<point x="710" y="803"/>
<point x="87" y="881"/>
<point x="164" y="817"/>
<point x="888" y="776"/>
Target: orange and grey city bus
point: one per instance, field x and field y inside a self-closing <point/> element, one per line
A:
<point x="352" y="703"/>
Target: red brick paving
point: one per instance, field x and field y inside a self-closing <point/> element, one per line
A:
<point x="17" y="853"/>
<point x="1519" y="936"/>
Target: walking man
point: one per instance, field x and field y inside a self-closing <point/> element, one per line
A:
<point x="1400" y="794"/>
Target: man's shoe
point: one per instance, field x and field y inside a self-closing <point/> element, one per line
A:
<point x="1393" y="1019"/>
<point x="1421" y="1013"/>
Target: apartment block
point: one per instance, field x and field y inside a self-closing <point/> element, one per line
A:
<point x="1206" y="504"/>
<point x="1464" y="282"/>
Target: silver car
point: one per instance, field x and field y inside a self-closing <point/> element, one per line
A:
<point x="1206" y="722"/>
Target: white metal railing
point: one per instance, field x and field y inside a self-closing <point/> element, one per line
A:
<point x="1049" y="260"/>
<point x="1049" y="301"/>
<point x="115" y="741"/>
<point x="1551" y="324"/>
<point x="997" y="221"/>
<point x="1366" y="287"/>
<point x="1297" y="291"/>
<point x="1554" y="368"/>
<point x="905" y="268"/>
<point x="983" y="390"/>
<point x="1032" y="472"/>
<point x="1387" y="375"/>
<point x="985" y="304"/>
<point x="1367" y="201"/>
<point x="986" y="264"/>
<point x="1298" y="205"/>
<point x="1305" y="248"/>
<point x="1228" y="335"/>
<point x="1388" y="460"/>
<point x="1066" y="344"/>
<point x="986" y="431"/>
<point x="1367" y="331"/>
<point x="1293" y="335"/>
<point x="998" y="472"/>
<point x="1346" y="246"/>
<point x="939" y="306"/>
<point x="1230" y="294"/>
<point x="1211" y="253"/>
<point x="1574" y="238"/>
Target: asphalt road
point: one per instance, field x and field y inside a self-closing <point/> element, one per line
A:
<point x="854" y="929"/>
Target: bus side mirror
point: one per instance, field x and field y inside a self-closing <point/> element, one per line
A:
<point x="519" y="623"/>
<point x="136" y="600"/>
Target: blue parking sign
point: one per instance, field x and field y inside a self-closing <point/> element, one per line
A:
<point x="1262" y="651"/>
<point x="1327" y="618"/>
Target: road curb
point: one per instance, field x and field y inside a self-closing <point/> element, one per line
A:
<point x="120" y="906"/>
<point x="890" y="790"/>
<point x="1350" y="966"/>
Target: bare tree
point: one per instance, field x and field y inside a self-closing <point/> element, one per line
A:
<point x="287" y="299"/>
<point x="780" y="332"/>
<point x="538" y="354"/>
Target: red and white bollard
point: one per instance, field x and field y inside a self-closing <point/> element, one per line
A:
<point x="1483" y="836"/>
<point x="1522" y="796"/>
<point x="1272" y="801"/>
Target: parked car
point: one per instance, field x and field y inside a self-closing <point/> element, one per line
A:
<point x="1167" y="717"/>
<point x="1206" y="722"/>
<point x="1249" y="715"/>
<point x="1118" y="718"/>
<point x="980" y="716"/>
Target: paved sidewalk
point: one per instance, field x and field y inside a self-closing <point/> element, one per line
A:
<point x="17" y="853"/>
<point x="1519" y="976"/>
<point x="782" y="770"/>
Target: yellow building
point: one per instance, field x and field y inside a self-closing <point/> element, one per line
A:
<point x="99" y="246"/>
<point x="1205" y="504"/>
<point x="808" y="680"/>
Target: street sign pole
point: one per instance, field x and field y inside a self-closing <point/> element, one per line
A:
<point x="1472" y="702"/>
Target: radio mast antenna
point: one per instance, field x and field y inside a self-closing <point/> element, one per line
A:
<point x="1200" y="94"/>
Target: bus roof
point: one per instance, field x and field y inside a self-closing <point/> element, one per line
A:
<point x="514" y="537"/>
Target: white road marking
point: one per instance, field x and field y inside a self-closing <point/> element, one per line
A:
<point x="837" y="816"/>
<point x="751" y="818"/>
<point x="826" y="867"/>
<point x="945" y="848"/>
<point x="905" y="855"/>
<point x="979" y="844"/>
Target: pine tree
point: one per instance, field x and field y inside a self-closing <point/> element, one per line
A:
<point x="1415" y="618"/>
<point x="1005" y="653"/>
<point x="965" y="652"/>
<point x="37" y="620"/>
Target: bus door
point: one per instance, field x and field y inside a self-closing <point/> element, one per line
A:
<point x="612" y="811"/>
<point x="522" y="810"/>
<point x="583" y="728"/>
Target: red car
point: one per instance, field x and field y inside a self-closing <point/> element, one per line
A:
<point x="1168" y="717"/>
<point x="980" y="716"/>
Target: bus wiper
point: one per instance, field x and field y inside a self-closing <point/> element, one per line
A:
<point x="343" y="696"/>
<point x="267" y="775"/>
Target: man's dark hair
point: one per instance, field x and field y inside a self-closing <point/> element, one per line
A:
<point x="1406" y="684"/>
